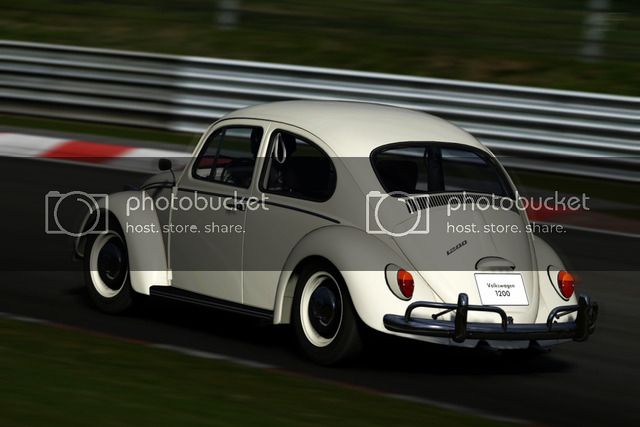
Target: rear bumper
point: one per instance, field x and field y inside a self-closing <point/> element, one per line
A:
<point x="459" y="329"/>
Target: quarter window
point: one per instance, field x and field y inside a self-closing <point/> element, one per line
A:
<point x="296" y="167"/>
<point x="229" y="156"/>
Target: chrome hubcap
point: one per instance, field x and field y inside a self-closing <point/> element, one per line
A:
<point x="321" y="309"/>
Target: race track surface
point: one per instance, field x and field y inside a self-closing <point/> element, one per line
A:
<point x="592" y="383"/>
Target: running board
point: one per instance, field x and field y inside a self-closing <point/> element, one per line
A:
<point x="176" y="294"/>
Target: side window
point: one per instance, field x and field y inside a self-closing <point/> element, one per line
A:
<point x="229" y="156"/>
<point x="298" y="168"/>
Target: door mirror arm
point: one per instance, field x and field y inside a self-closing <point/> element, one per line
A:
<point x="166" y="165"/>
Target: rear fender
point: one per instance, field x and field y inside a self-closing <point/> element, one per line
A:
<point x="361" y="259"/>
<point x="549" y="294"/>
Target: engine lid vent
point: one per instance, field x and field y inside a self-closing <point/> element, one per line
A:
<point x="425" y="201"/>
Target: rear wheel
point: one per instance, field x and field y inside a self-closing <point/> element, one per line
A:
<point x="106" y="268"/>
<point x="324" y="319"/>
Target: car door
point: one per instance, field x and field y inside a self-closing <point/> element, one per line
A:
<point x="208" y="212"/>
<point x="296" y="182"/>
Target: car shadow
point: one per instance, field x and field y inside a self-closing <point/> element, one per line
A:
<point x="381" y="351"/>
<point x="434" y="359"/>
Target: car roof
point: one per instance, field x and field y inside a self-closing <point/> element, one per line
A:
<point x="354" y="129"/>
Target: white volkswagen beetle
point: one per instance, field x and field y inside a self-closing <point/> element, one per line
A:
<point x="335" y="216"/>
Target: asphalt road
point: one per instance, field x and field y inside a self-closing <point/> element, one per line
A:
<point x="590" y="383"/>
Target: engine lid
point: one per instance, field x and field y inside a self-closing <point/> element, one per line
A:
<point x="451" y="247"/>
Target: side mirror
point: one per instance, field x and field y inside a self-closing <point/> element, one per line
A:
<point x="164" y="164"/>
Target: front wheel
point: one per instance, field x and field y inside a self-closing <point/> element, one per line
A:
<point x="324" y="319"/>
<point x="106" y="269"/>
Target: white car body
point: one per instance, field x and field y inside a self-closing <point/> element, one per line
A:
<point x="336" y="231"/>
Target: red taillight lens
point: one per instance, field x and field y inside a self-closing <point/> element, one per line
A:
<point x="566" y="283"/>
<point x="405" y="283"/>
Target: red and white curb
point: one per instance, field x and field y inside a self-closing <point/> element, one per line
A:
<point x="94" y="153"/>
<point x="118" y="156"/>
<point x="142" y="159"/>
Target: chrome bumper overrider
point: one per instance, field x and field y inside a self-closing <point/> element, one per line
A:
<point x="459" y="329"/>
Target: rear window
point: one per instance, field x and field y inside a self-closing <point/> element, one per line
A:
<point x="436" y="168"/>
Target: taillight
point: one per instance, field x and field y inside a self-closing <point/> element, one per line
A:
<point x="566" y="283"/>
<point x="405" y="283"/>
<point x="400" y="281"/>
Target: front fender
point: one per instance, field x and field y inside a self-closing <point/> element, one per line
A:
<point x="361" y="258"/>
<point x="143" y="236"/>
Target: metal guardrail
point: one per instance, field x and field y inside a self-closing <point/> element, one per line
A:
<point x="534" y="128"/>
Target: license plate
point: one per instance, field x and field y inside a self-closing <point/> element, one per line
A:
<point x="501" y="289"/>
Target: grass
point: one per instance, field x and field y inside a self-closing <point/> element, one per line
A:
<point x="77" y="127"/>
<point x="53" y="376"/>
<point x="538" y="42"/>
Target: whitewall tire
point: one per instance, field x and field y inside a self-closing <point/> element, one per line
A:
<point x="323" y="316"/>
<point x="106" y="269"/>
